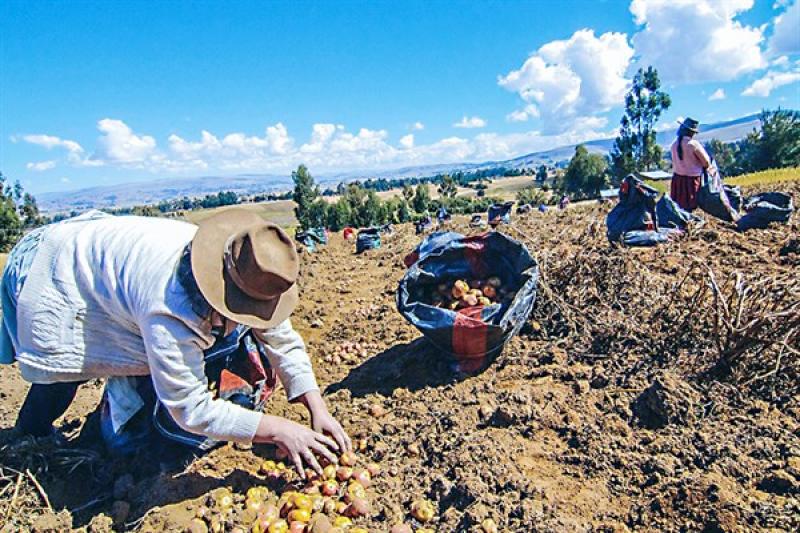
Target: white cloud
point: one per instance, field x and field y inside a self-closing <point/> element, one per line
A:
<point x="719" y="94"/>
<point x="566" y="80"/>
<point x="523" y="115"/>
<point x="771" y="81"/>
<point x="781" y="61"/>
<point x="248" y="150"/>
<point x="40" y="166"/>
<point x="118" y="144"/>
<point x="696" y="40"/>
<point x="785" y="37"/>
<point x="51" y="141"/>
<point x="65" y="180"/>
<point x="470" y="122"/>
<point x="418" y="126"/>
<point x="329" y="148"/>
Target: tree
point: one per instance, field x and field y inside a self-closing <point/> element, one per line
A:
<point x="725" y="155"/>
<point x="318" y="214"/>
<point x="339" y="214"/>
<point x="541" y="173"/>
<point x="448" y="188"/>
<point x="636" y="147"/>
<point x="777" y="145"/>
<point x="422" y="198"/>
<point x="408" y="192"/>
<point x="586" y="173"/>
<point x="372" y="211"/>
<point x="404" y="212"/>
<point x="531" y="196"/>
<point x="304" y="194"/>
<point x="10" y="224"/>
<point x="30" y="211"/>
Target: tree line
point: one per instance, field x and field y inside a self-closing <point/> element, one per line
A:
<point x="359" y="206"/>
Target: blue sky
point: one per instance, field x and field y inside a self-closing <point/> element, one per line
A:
<point x="95" y="93"/>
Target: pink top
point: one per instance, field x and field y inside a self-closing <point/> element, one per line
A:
<point x="695" y="158"/>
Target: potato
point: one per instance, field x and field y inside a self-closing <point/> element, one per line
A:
<point x="489" y="291"/>
<point x="460" y="288"/>
<point x="469" y="300"/>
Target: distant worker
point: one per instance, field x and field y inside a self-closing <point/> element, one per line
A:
<point x="100" y="296"/>
<point x="689" y="160"/>
<point x="564" y="202"/>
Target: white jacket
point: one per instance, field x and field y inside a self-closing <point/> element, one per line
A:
<point x="102" y="299"/>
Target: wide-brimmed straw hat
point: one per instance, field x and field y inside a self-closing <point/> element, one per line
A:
<point x="246" y="268"/>
<point x="690" y="124"/>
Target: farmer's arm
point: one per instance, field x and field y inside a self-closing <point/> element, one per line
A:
<point x="701" y="153"/>
<point x="287" y="354"/>
<point x="177" y="368"/>
<point x="178" y="373"/>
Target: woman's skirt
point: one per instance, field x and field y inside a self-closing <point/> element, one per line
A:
<point x="684" y="191"/>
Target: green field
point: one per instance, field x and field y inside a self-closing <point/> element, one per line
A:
<point x="765" y="177"/>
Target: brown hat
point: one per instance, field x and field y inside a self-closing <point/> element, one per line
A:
<point x="246" y="268"/>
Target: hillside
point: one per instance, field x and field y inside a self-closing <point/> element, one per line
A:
<point x="128" y="194"/>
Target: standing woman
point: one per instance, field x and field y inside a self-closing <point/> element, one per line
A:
<point x="689" y="160"/>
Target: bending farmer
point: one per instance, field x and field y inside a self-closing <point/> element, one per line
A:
<point x="689" y="160"/>
<point x="100" y="296"/>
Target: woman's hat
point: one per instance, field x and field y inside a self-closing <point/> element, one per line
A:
<point x="690" y="124"/>
<point x="246" y="268"/>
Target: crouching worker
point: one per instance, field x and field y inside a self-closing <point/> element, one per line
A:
<point x="150" y="304"/>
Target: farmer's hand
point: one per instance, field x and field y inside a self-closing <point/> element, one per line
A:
<point x="298" y="442"/>
<point x="323" y="422"/>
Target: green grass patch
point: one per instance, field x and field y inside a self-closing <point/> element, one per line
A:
<point x="765" y="177"/>
<point x="661" y="186"/>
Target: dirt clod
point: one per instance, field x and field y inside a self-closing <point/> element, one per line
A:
<point x="667" y="400"/>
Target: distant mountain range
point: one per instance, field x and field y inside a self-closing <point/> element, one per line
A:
<point x="128" y="194"/>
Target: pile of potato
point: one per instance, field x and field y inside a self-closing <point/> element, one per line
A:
<point x="327" y="503"/>
<point x="350" y="352"/>
<point x="461" y="294"/>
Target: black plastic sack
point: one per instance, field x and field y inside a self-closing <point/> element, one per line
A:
<point x="423" y="225"/>
<point x="368" y="239"/>
<point x="670" y="215"/>
<point x="307" y="240"/>
<point x="500" y="213"/>
<point x="471" y="336"/>
<point x="635" y="210"/>
<point x="430" y="243"/>
<point x="762" y="209"/>
<point x="650" y="237"/>
<point x="319" y="235"/>
<point x="713" y="199"/>
<point x="734" y="193"/>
